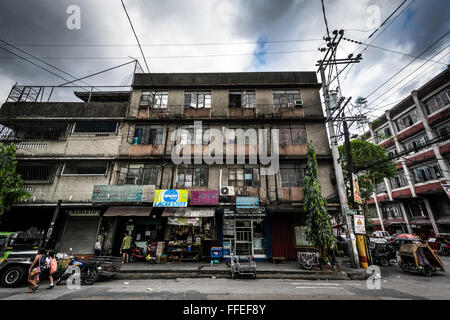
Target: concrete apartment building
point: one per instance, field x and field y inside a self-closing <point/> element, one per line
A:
<point x="106" y="156"/>
<point x="415" y="201"/>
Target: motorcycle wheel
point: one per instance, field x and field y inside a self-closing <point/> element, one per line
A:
<point x="132" y="258"/>
<point x="427" y="271"/>
<point x="90" y="277"/>
<point x="384" y="261"/>
<point x="404" y="267"/>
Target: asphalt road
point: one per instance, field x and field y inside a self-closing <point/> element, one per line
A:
<point x="394" y="283"/>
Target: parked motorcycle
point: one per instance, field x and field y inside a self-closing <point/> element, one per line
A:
<point x="138" y="254"/>
<point x="440" y="245"/>
<point x="382" y="253"/>
<point x="89" y="270"/>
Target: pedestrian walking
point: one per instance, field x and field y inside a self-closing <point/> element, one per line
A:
<point x="35" y="269"/>
<point x="52" y="266"/>
<point x="125" y="248"/>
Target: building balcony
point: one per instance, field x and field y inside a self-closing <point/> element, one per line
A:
<point x="404" y="192"/>
<point x="436" y="117"/>
<point x="408" y="132"/>
<point x="429" y="187"/>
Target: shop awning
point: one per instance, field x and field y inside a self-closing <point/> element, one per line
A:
<point x="189" y="212"/>
<point x="128" y="211"/>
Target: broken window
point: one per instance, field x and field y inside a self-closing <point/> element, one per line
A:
<point x="148" y="134"/>
<point x="88" y="168"/>
<point x="197" y="99"/>
<point x="37" y="172"/>
<point x="142" y="174"/>
<point x="95" y="127"/>
<point x="242" y="99"/>
<point x="292" y="175"/>
<point x="286" y="98"/>
<point x="295" y="134"/>
<point x="193" y="176"/>
<point x="154" y="99"/>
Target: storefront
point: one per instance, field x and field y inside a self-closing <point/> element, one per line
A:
<point x="190" y="233"/>
<point x="245" y="230"/>
<point x="80" y="231"/>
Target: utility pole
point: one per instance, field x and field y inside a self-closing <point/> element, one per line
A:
<point x="351" y="240"/>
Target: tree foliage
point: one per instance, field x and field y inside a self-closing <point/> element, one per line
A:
<point x="11" y="183"/>
<point x="318" y="222"/>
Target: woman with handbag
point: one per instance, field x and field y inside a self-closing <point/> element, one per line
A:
<point x="34" y="270"/>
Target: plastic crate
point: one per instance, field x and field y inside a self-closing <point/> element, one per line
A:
<point x="216" y="252"/>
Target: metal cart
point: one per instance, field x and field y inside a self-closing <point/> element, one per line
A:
<point x="242" y="266"/>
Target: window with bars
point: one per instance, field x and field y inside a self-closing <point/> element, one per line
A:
<point x="443" y="130"/>
<point x="437" y="101"/>
<point x="197" y="99"/>
<point x="37" y="172"/>
<point x="193" y="176"/>
<point x="142" y="174"/>
<point x="383" y="134"/>
<point x="416" y="142"/>
<point x="292" y="175"/>
<point x="148" y="134"/>
<point x="154" y="99"/>
<point x="406" y="120"/>
<point x="294" y="134"/>
<point x="39" y="131"/>
<point x="426" y="172"/>
<point x="399" y="180"/>
<point x="417" y="207"/>
<point x="239" y="177"/>
<point x="391" y="152"/>
<point x="381" y="188"/>
<point x="242" y="99"/>
<point x="248" y="133"/>
<point x="95" y="127"/>
<point x="85" y="168"/>
<point x="192" y="135"/>
<point x="391" y="211"/>
<point x="285" y="98"/>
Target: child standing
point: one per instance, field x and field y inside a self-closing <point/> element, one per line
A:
<point x="52" y="265"/>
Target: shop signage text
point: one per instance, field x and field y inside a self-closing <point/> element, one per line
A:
<point x="245" y="213"/>
<point x="125" y="193"/>
<point x="84" y="213"/>
<point x="170" y="198"/>
<point x="247" y="202"/>
<point x="205" y="198"/>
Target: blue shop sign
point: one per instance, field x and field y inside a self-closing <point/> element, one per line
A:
<point x="247" y="202"/>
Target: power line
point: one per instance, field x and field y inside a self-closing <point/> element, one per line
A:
<point x="135" y="35"/>
<point x="167" y="44"/>
<point x="171" y="57"/>
<point x="325" y="19"/>
<point x="41" y="60"/>
<point x="387" y="19"/>
<point x="426" y="49"/>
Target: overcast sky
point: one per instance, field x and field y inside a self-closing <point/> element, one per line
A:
<point x="34" y="23"/>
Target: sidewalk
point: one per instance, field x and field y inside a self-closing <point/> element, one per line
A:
<point x="265" y="270"/>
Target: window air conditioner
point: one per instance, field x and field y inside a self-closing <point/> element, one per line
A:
<point x="227" y="191"/>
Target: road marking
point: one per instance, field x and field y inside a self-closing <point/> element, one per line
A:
<point x="317" y="288"/>
<point x="320" y="284"/>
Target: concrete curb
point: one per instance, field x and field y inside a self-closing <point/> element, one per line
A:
<point x="223" y="274"/>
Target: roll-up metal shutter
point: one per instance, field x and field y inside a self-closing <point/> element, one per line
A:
<point x="80" y="234"/>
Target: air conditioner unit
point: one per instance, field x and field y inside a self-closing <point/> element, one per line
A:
<point x="298" y="102"/>
<point x="227" y="191"/>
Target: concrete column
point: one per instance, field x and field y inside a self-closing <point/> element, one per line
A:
<point x="405" y="217"/>
<point x="388" y="187"/>
<point x="380" y="215"/>
<point x="431" y="216"/>
<point x="399" y="149"/>
<point x="431" y="135"/>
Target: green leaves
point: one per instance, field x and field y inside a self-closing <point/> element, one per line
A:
<point x="11" y="183"/>
<point x="318" y="222"/>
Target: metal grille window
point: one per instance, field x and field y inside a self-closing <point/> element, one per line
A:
<point x="37" y="172"/>
<point x="443" y="130"/>
<point x="292" y="175"/>
<point x="415" y="142"/>
<point x="292" y="135"/>
<point x="37" y="131"/>
<point x="438" y="101"/>
<point x="381" y="188"/>
<point x="427" y="172"/>
<point x="406" y="120"/>
<point x="391" y="211"/>
<point x="242" y="99"/>
<point x="383" y="134"/>
<point x="399" y="180"/>
<point x="148" y="134"/>
<point x="249" y="133"/>
<point x="193" y="176"/>
<point x="197" y="99"/>
<point x="142" y="174"/>
<point x="285" y="98"/>
<point x="417" y="208"/>
<point x="391" y="152"/>
<point x="95" y="127"/>
<point x="154" y="99"/>
<point x="243" y="177"/>
<point x="192" y="135"/>
<point x="85" y="168"/>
